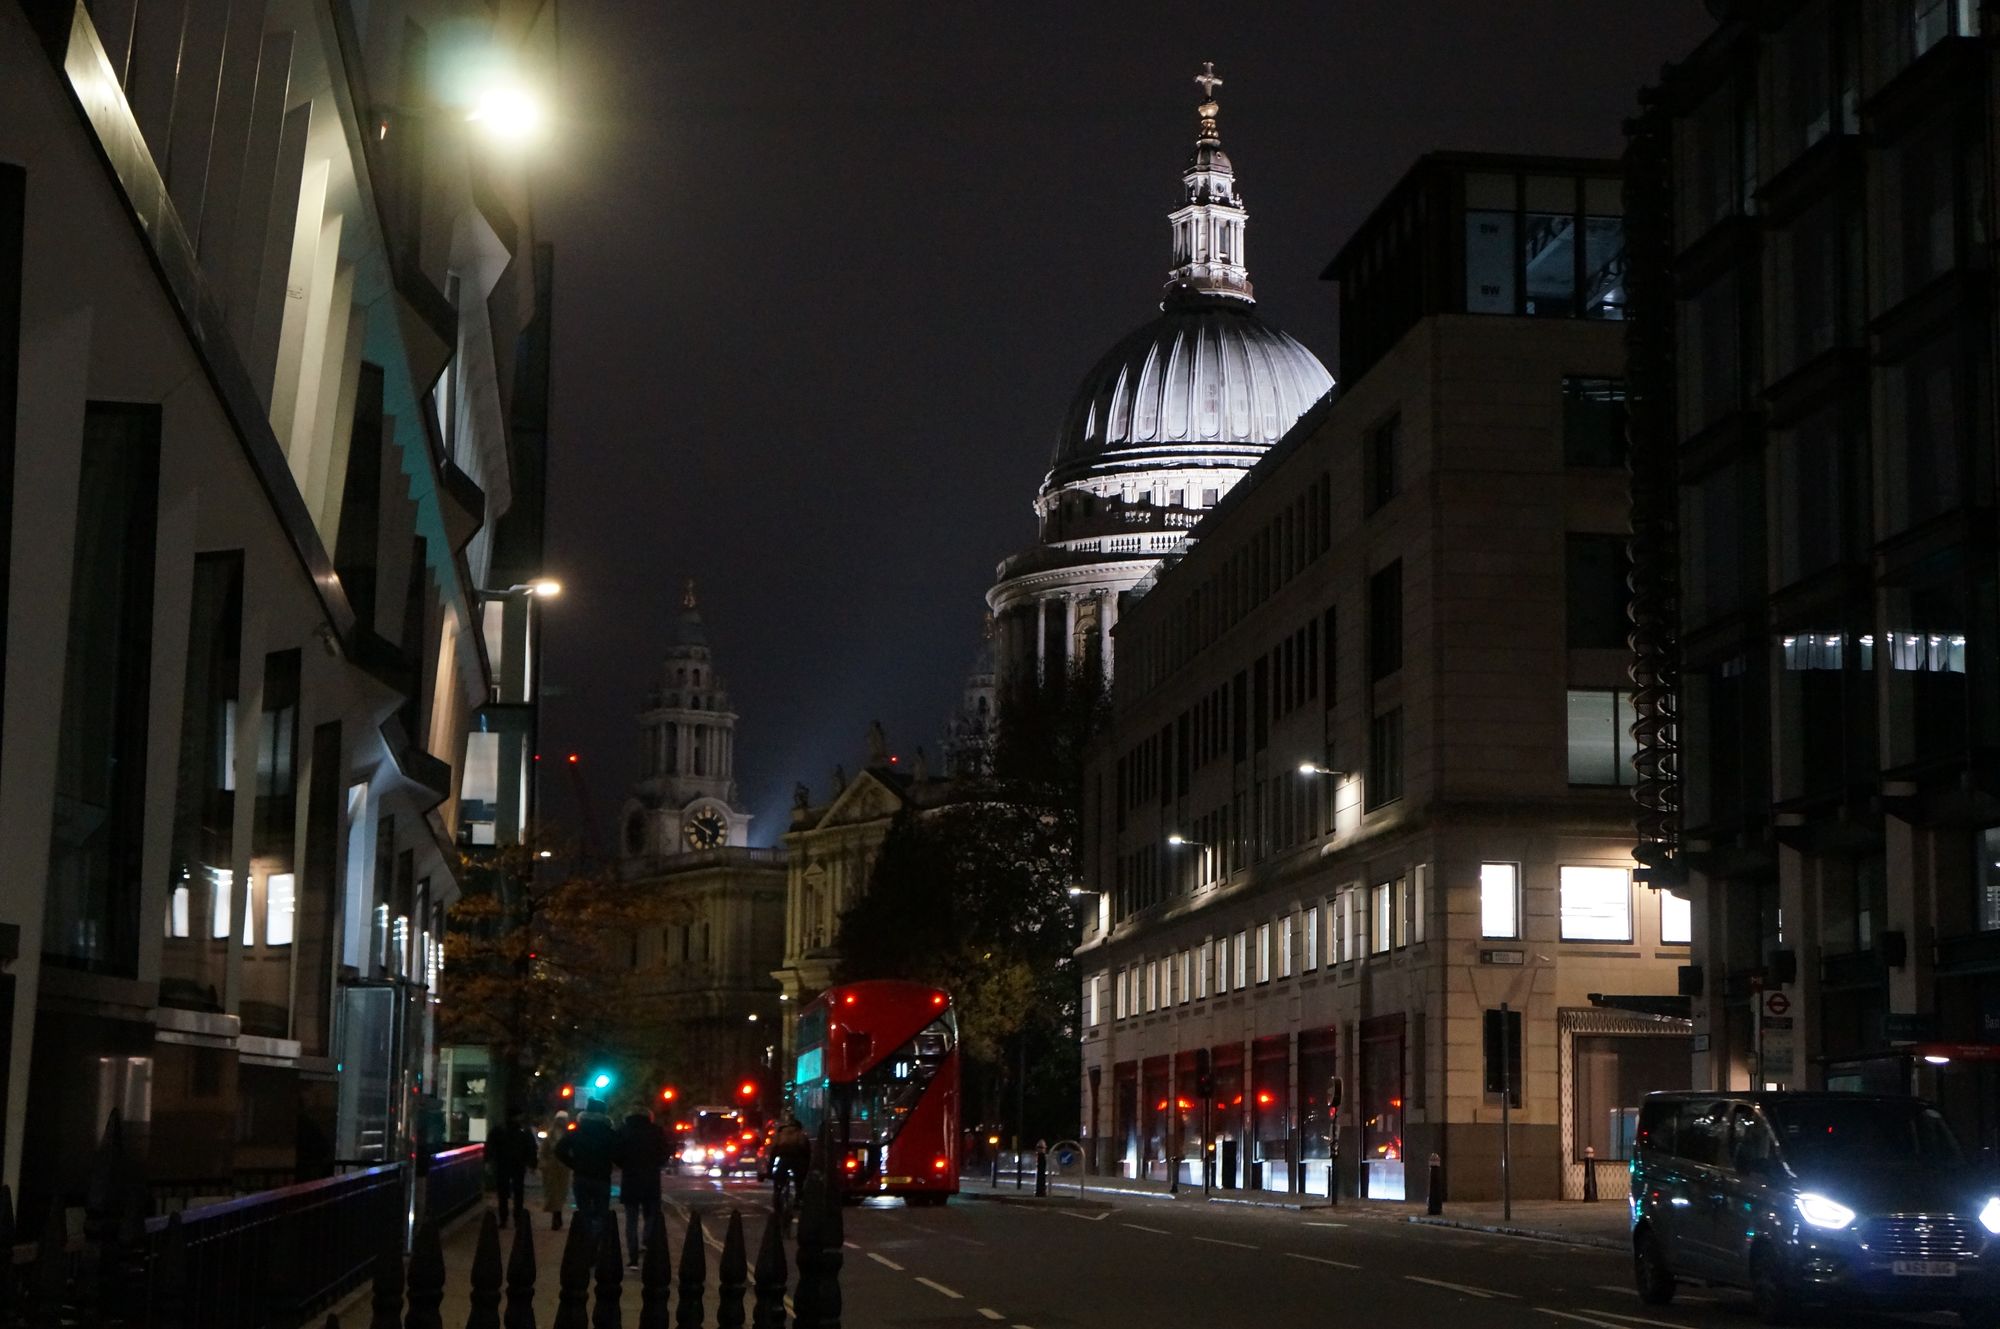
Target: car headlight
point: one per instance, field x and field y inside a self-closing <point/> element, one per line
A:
<point x="1822" y="1212"/>
<point x="1989" y="1217"/>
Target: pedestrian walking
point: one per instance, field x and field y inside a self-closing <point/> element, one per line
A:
<point x="512" y="1150"/>
<point x="555" y="1171"/>
<point x="642" y="1151"/>
<point x="591" y="1151"/>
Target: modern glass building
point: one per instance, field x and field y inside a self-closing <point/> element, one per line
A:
<point x="1813" y="415"/>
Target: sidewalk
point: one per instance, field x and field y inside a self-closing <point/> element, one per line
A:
<point x="1604" y="1223"/>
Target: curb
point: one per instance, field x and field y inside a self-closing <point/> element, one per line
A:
<point x="1035" y="1201"/>
<point x="1525" y="1233"/>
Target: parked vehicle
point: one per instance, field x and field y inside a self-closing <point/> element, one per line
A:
<point x="1810" y="1198"/>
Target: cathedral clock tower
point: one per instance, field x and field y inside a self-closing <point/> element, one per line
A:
<point x="686" y="801"/>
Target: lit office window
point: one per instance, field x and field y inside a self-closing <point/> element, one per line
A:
<point x="1263" y="952"/>
<point x="1285" y="930"/>
<point x="1600" y="737"/>
<point x="279" y="908"/>
<point x="1596" y="904"/>
<point x="1676" y="920"/>
<point x="1499" y="900"/>
<point x="1382" y="917"/>
<point x="1312" y="938"/>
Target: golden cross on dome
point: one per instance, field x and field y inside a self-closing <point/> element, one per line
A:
<point x="1208" y="79"/>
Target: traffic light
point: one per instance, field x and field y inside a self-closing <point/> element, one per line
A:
<point x="1204" y="1075"/>
<point x="669" y="1094"/>
<point x="747" y="1090"/>
<point x="568" y="1092"/>
<point x="601" y="1081"/>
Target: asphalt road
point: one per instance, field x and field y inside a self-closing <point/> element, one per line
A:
<point x="1150" y="1263"/>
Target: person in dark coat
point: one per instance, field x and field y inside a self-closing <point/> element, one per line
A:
<point x="513" y="1152"/>
<point x="642" y="1152"/>
<point x="591" y="1151"/>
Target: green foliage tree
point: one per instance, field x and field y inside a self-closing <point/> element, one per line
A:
<point x="537" y="967"/>
<point x="973" y="897"/>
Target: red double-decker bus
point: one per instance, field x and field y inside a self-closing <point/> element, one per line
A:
<point x="879" y="1061"/>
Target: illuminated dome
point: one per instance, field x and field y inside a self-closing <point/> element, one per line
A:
<point x="1207" y="383"/>
<point x="1162" y="428"/>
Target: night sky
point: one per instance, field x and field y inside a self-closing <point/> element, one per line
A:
<point x="828" y="274"/>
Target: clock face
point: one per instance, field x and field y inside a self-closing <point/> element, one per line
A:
<point x="705" y="830"/>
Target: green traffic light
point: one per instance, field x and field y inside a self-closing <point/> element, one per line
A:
<point x="603" y="1080"/>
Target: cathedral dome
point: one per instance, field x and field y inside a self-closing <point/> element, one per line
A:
<point x="1208" y="382"/>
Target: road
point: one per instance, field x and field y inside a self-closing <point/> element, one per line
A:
<point x="1162" y="1263"/>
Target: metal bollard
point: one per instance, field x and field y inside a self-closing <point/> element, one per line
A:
<point x="1434" y="1202"/>
<point x="1589" y="1173"/>
<point x="1041" y="1167"/>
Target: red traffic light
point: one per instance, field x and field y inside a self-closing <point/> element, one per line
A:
<point x="569" y="1091"/>
<point x="669" y="1094"/>
<point x="1266" y="1098"/>
<point x="748" y="1089"/>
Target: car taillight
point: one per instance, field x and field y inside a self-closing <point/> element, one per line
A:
<point x="853" y="1163"/>
<point x="730" y="1149"/>
<point x="940" y="1163"/>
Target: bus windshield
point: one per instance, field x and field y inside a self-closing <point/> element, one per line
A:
<point x="716" y="1128"/>
<point x="886" y="1091"/>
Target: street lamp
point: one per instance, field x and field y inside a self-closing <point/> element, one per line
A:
<point x="545" y="588"/>
<point x="1314" y="768"/>
<point x="508" y="114"/>
<point x="1177" y="840"/>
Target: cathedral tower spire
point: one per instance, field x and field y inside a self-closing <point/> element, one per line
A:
<point x="1208" y="226"/>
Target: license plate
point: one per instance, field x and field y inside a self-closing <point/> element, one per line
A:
<point x="1925" y="1268"/>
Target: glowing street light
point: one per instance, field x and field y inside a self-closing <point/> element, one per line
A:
<point x="508" y="114"/>
<point x="1177" y="840"/>
<point x="1314" y="768"/>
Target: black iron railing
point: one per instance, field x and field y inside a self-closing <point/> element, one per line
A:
<point x="453" y="1181"/>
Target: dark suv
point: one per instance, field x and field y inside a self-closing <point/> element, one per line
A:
<point x="1802" y="1198"/>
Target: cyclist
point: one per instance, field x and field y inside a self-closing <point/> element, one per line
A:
<point x="791" y="1150"/>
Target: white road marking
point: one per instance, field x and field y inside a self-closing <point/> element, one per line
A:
<point x="1461" y="1287"/>
<point x="1218" y="1241"/>
<point x="1088" y="1218"/>
<point x="996" y="1315"/>
<point x="1639" y="1319"/>
<point x="885" y="1261"/>
<point x="1633" y="1292"/>
<point x="1581" y="1319"/>
<point x="1157" y="1231"/>
<point x="1327" y="1225"/>
<point x="1321" y="1259"/>
<point x="853" y="1246"/>
<point x="939" y="1287"/>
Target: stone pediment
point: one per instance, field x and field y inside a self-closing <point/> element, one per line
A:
<point x="867" y="798"/>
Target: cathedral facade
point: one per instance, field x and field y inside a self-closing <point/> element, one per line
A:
<point x="706" y="1004"/>
<point x="1163" y="426"/>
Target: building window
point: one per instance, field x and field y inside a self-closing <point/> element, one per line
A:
<point x="1722" y="533"/>
<point x="1242" y="960"/>
<point x="1312" y="938"/>
<point x="1382" y="918"/>
<point x="1204" y="966"/>
<point x="1595" y="571"/>
<point x="1676" y="920"/>
<point x="1385" y="758"/>
<point x="1600" y="737"/>
<point x="1594" y="422"/>
<point x="1263" y="952"/>
<point x="1712" y="370"/>
<point x="1385" y="621"/>
<point x="1489" y="255"/>
<point x="1988" y="850"/>
<point x="1499" y="900"/>
<point x="1810" y="268"/>
<point x="1812" y="507"/>
<point x="1381" y="464"/>
<point x="1596" y="904"/>
<point x="95" y="861"/>
<point x="1285" y="930"/>
<point x="1923" y="476"/>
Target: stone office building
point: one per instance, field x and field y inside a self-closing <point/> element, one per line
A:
<point x="1367" y="779"/>
<point x="1814" y="392"/>
<point x="273" y="376"/>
